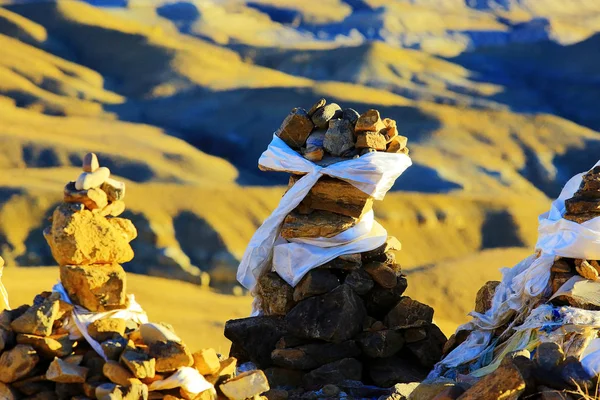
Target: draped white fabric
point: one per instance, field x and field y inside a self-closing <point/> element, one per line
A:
<point x="373" y="173"/>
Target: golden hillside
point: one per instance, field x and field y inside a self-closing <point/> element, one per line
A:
<point x="180" y="103"/>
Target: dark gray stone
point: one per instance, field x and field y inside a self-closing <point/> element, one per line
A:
<point x="315" y="282"/>
<point x="407" y="313"/>
<point x="360" y="281"/>
<point x="333" y="373"/>
<point x="334" y="317"/>
<point x="339" y="137"/>
<point x="323" y="115"/>
<point x="255" y="338"/>
<point x="381" y="344"/>
<point x="314" y="355"/>
<point x="350" y="115"/>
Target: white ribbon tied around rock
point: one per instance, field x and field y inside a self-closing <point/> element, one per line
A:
<point x="82" y="318"/>
<point x="524" y="283"/>
<point x="373" y="173"/>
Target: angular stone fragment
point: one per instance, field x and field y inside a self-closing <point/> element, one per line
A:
<point x="336" y="195"/>
<point x="105" y="329"/>
<point x="95" y="287"/>
<point x="381" y="344"/>
<point x="84" y="237"/>
<point x="115" y="190"/>
<point x="206" y="361"/>
<point x="370" y="121"/>
<point x="295" y="128"/>
<point x="573" y="373"/>
<point x="245" y="386"/>
<point x="408" y="312"/>
<point x="17" y="363"/>
<point x="383" y="275"/>
<point x="32" y="385"/>
<point x="323" y="115"/>
<point x="506" y="382"/>
<point x="371" y="140"/>
<point x="386" y="372"/>
<point x="90" y="162"/>
<point x="140" y="364"/>
<point x="92" y="199"/>
<point x="256" y="337"/>
<point x="315" y="282"/>
<point x="313" y="355"/>
<point x="333" y="373"/>
<point x="89" y="180"/>
<point x="360" y="281"/>
<point x="38" y="319"/>
<point x="118" y="374"/>
<point x="339" y="137"/>
<point x="64" y="372"/>
<point x="334" y="317"/>
<point x="483" y="300"/>
<point x="397" y="144"/>
<point x="317" y="224"/>
<point x="48" y="346"/>
<point x="125" y="227"/>
<point x="275" y="294"/>
<point x="379" y="301"/>
<point x="320" y="103"/>
<point x="170" y="356"/>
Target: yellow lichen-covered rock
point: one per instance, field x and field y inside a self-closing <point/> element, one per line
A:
<point x="95" y="287"/>
<point x="78" y="236"/>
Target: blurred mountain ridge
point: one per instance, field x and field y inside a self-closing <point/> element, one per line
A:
<point x="180" y="98"/>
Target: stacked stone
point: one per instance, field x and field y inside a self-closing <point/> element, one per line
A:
<point x="328" y="131"/>
<point x="554" y="371"/>
<point x="41" y="359"/>
<point x="347" y="323"/>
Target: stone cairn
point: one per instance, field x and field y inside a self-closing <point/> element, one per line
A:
<point x="346" y="324"/>
<point x="41" y="360"/>
<point x="552" y="371"/>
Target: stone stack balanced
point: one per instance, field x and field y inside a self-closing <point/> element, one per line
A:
<point x="346" y="323"/>
<point x="44" y="356"/>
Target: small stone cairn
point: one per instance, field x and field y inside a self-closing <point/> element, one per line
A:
<point x="41" y="360"/>
<point x="552" y="370"/>
<point x="346" y="328"/>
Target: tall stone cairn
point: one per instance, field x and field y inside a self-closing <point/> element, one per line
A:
<point x="347" y="323"/>
<point x="39" y="359"/>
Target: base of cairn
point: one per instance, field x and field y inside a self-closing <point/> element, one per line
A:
<point x="346" y="323"/>
<point x="95" y="287"/>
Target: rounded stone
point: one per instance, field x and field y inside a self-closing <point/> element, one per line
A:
<point x="323" y="115"/>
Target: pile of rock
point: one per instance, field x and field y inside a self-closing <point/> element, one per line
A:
<point x="328" y="131"/>
<point x="72" y="344"/>
<point x="555" y="369"/>
<point x="346" y="323"/>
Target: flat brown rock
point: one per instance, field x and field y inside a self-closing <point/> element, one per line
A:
<point x="95" y="287"/>
<point x="106" y="329"/>
<point x="483" y="300"/>
<point x="317" y="224"/>
<point x="505" y="383"/>
<point x="336" y="195"/>
<point x="383" y="275"/>
<point x="579" y="205"/>
<point x="82" y="237"/>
